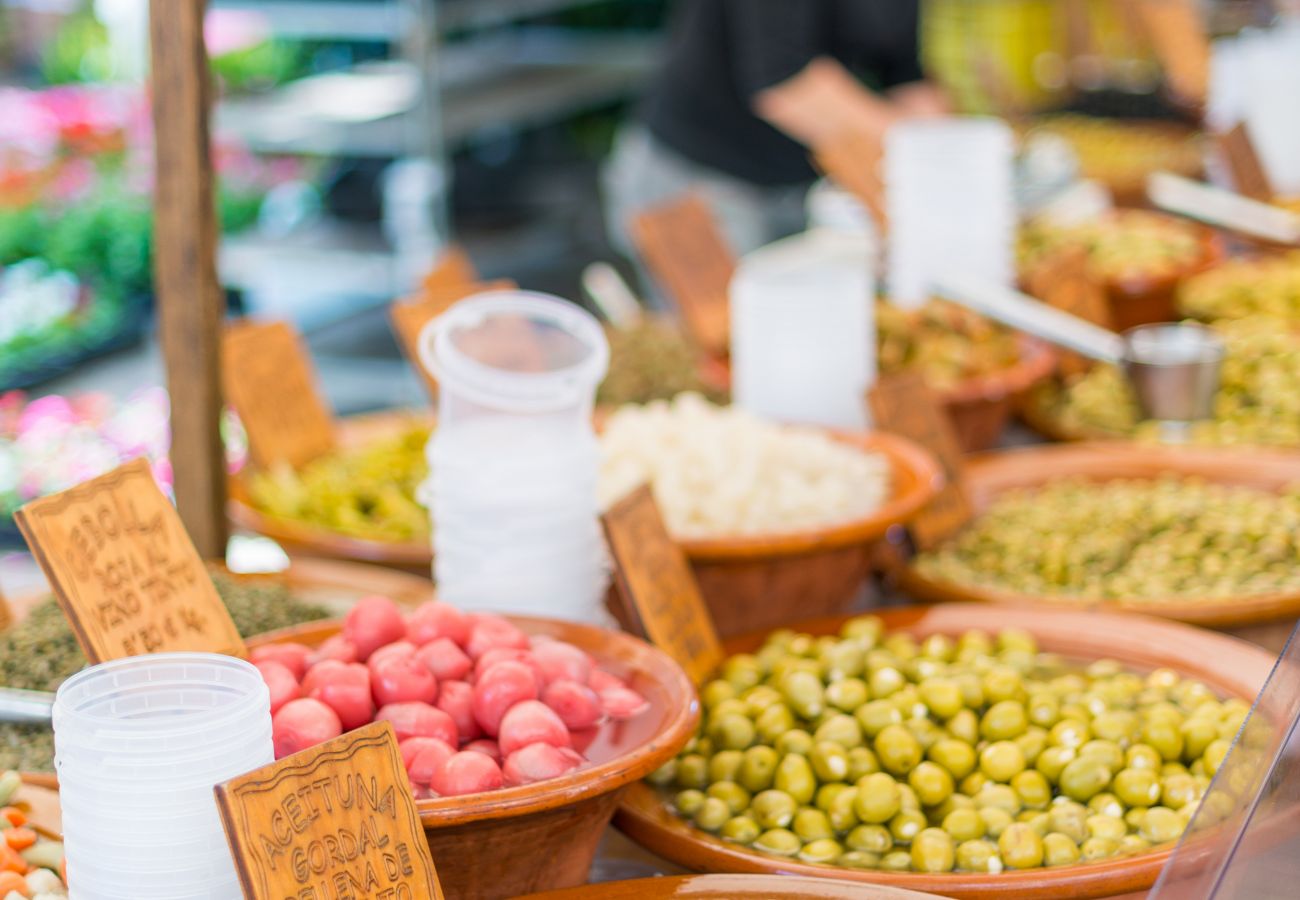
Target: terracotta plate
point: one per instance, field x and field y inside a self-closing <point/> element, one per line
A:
<point x="916" y="478"/>
<point x="1230" y="667"/>
<point x="730" y="887"/>
<point x="994" y="473"/>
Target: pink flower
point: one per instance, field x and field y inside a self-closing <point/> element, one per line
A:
<point x="45" y="411"/>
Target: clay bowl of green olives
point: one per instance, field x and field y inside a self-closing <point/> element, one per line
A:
<point x="939" y="750"/>
<point x="1205" y="536"/>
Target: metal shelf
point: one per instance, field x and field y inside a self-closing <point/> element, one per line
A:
<point x="382" y="21"/>
<point x="520" y="82"/>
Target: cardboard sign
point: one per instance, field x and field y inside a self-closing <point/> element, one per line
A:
<point x="269" y="380"/>
<point x="334" y="822"/>
<point x="1178" y="36"/>
<point x="453" y="268"/>
<point x="408" y="318"/>
<point x="657" y="585"/>
<point x="904" y="404"/>
<point x="688" y="255"/>
<point x="124" y="570"/>
<point x="1248" y="175"/>
<point x="1065" y="284"/>
<point x="853" y="161"/>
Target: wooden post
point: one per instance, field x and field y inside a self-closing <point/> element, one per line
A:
<point x="189" y="299"/>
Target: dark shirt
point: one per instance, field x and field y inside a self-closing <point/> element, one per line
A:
<point x="723" y="52"/>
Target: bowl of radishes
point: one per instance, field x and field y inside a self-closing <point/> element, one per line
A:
<point x="518" y="734"/>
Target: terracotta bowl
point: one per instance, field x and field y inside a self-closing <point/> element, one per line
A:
<point x="730" y="887"/>
<point x="1230" y="667"/>
<point x="1147" y="300"/>
<point x="298" y="538"/>
<point x="991" y="474"/>
<point x="749" y="582"/>
<point x="543" y="836"/>
<point x="981" y="407"/>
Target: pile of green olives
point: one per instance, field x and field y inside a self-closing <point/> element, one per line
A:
<point x="976" y="754"/>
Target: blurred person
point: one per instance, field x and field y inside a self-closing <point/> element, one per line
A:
<point x="746" y="88"/>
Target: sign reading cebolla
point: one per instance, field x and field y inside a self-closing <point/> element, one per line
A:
<point x="125" y="571"/>
<point x="334" y="822"/>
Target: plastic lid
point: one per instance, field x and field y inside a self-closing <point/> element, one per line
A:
<point x="517" y="351"/>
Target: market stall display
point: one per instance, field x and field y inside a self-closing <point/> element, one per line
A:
<point x="40" y="651"/>
<point x="1225" y="557"/>
<point x="31" y="856"/>
<point x="745" y="571"/>
<point x="1255" y="404"/>
<point x="1104" y="706"/>
<point x="549" y="829"/>
<point x="1139" y="257"/>
<point x="1121" y="153"/>
<point x="977" y="367"/>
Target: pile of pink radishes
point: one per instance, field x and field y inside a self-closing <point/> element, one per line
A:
<point x="476" y="703"/>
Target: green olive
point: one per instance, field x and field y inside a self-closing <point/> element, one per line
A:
<point x="1161" y="825"/>
<point x="842" y="809"/>
<point x="978" y="856"/>
<point x="1106" y="804"/>
<point x="1003" y="721"/>
<point x="794" y="776"/>
<point x="712" y="814"/>
<point x="1069" y="819"/>
<point x="740" y="830"/>
<point x="870" y="839"/>
<point x="773" y="722"/>
<point x="1108" y="827"/>
<point x="1020" y="846"/>
<point x="773" y="809"/>
<point x="689" y="801"/>
<point x="877" y="715"/>
<point x="957" y="756"/>
<point x="827" y="793"/>
<point x="964" y="825"/>
<point x="725" y="765"/>
<point x="942" y="696"/>
<point x="1095" y="848"/>
<point x="796" y="740"/>
<point x="1140" y="756"/>
<point x="779" y="841"/>
<point x="932" y="783"/>
<point x="715" y="692"/>
<point x="907" y="825"/>
<point x="1002" y="760"/>
<point x="861" y="762"/>
<point x="664" y="775"/>
<point x="1059" y="850"/>
<point x="830" y="761"/>
<point x="843" y="730"/>
<point x="732" y="794"/>
<point x="933" y="851"/>
<point x="858" y="859"/>
<point x="964" y="727"/>
<point x="804" y="693"/>
<point x="897" y="749"/>
<point x="758" y="770"/>
<point x="742" y="671"/>
<point x="822" y="850"/>
<point x="896" y="861"/>
<point x="692" y="771"/>
<point x="811" y="825"/>
<point x="847" y="694"/>
<point x="996" y="820"/>
<point x="1083" y="778"/>
<point x="1032" y="788"/>
<point x="878" y="799"/>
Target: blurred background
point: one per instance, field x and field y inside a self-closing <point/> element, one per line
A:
<point x="356" y="139"/>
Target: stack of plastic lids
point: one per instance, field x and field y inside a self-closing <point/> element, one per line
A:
<point x="514" y="460"/>
<point x="803" y="344"/>
<point x="949" y="193"/>
<point x="139" y="745"/>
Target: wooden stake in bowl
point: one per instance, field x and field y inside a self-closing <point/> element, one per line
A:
<point x="189" y="297"/>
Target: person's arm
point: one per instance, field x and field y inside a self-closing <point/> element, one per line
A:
<point x="824" y="101"/>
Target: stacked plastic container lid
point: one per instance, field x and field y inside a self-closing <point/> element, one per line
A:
<point x="514" y="460"/>
<point x="949" y="193"/>
<point x="139" y="745"/>
<point x="803" y="343"/>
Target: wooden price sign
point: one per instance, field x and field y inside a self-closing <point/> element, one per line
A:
<point x="124" y="570"/>
<point x="853" y="161"/>
<point x="6" y="618"/>
<point x="1065" y="283"/>
<point x="270" y="382"/>
<point x="453" y="268"/>
<point x="1248" y="175"/>
<point x="334" y="822"/>
<point x="657" y="585"/>
<point x="905" y="405"/>
<point x="685" y="250"/>
<point x="1177" y="34"/>
<point x="408" y="318"/>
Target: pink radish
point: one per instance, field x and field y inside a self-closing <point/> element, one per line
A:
<point x="489" y="632"/>
<point x="500" y="688"/>
<point x="372" y="623"/>
<point x="280" y="682"/>
<point x="538" y="762"/>
<point x="444" y="659"/>
<point x="456" y="699"/>
<point x="466" y="773"/>
<point x="622" y="703"/>
<point x="560" y="660"/>
<point x="577" y="705"/>
<point x="429" y="760"/>
<point x="294" y="657"/>
<point x="434" y="620"/>
<point x="415" y="719"/>
<point x="531" y="722"/>
<point x="487" y="747"/>
<point x="301" y="724"/>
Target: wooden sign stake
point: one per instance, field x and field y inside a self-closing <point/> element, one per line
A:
<point x="190" y="301"/>
<point x="123" y="569"/>
<point x="1248" y="174"/>
<point x="657" y="585"/>
<point x="335" y="821"/>
<point x="905" y="405"/>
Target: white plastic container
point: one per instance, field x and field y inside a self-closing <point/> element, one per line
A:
<point x="803" y="344"/>
<point x="139" y="744"/>
<point x="949" y="189"/>
<point x="514" y="460"/>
